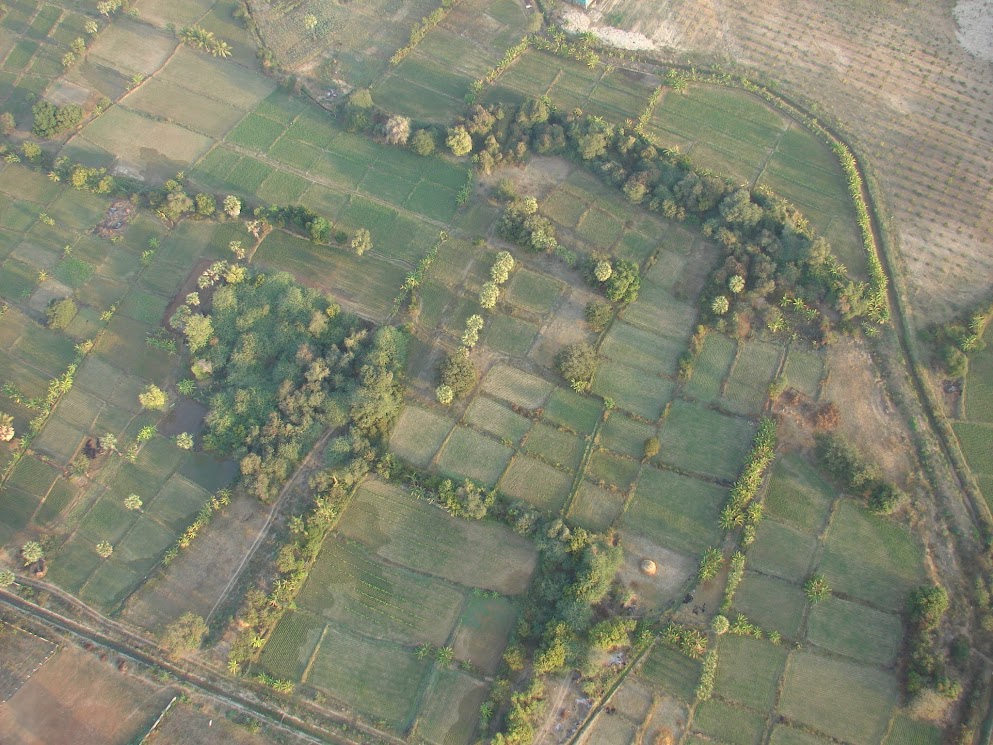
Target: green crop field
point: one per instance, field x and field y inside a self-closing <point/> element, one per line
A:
<point x="782" y="551"/>
<point x="855" y="630"/>
<point x="671" y="672"/>
<point x="483" y="630"/>
<point x="468" y="454"/>
<point x="573" y="411"/>
<point x="451" y="713"/>
<point x="612" y="470"/>
<point x="871" y="558"/>
<point x="698" y="439"/>
<point x="677" y="511"/>
<point x="911" y="732"/>
<point x="798" y="494"/>
<point x="785" y="735"/>
<point x="291" y="645"/>
<point x="556" y="447"/>
<point x="633" y="390"/>
<point x="754" y="368"/>
<point x="728" y="723"/>
<point x="749" y="671"/>
<point x="625" y="435"/>
<point x="596" y="508"/>
<point x="517" y="387"/>
<point x="419" y="434"/>
<point x="496" y="419"/>
<point x="816" y="688"/>
<point x="771" y="603"/>
<point x="545" y="487"/>
<point x="804" y="370"/>
<point x="400" y="529"/>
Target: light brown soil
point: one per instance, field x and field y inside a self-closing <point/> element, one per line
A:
<point x="669" y="581"/>
<point x="868" y="417"/>
<point x="200" y="722"/>
<point x="77" y="698"/>
<point x="898" y="78"/>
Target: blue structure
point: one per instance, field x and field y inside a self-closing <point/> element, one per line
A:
<point x="582" y="3"/>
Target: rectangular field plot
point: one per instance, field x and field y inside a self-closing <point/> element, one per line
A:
<point x="403" y="530"/>
<point x="378" y="679"/>
<point x="979" y="384"/>
<point x="612" y="470"/>
<point x="483" y="631"/>
<point x="977" y="445"/>
<point x="349" y="587"/>
<point x="657" y="311"/>
<point x="624" y="435"/>
<point x="638" y="348"/>
<point x="804" y="370"/>
<point x="199" y="113"/>
<point x="748" y="387"/>
<point x="496" y="419"/>
<point x="698" y="439"/>
<point x="535" y="482"/>
<point x="711" y="367"/>
<point x="749" y="670"/>
<point x="595" y="508"/>
<point x="129" y="135"/>
<point x="871" y="558"/>
<point x="782" y="551"/>
<point x="672" y="672"/>
<point x="510" y="335"/>
<point x="729" y="724"/>
<point x="784" y="735"/>
<point x="291" y="645"/>
<point x="798" y="494"/>
<point x="556" y="447"/>
<point x="418" y="434"/>
<point x="517" y="386"/>
<point x="533" y="292"/>
<point x="676" y="511"/>
<point x="817" y="688"/>
<point x="568" y="409"/>
<point x="450" y="712"/>
<point x="910" y="732"/>
<point x="773" y="604"/>
<point x="471" y="455"/>
<point x="633" y="390"/>
<point x="851" y="629"/>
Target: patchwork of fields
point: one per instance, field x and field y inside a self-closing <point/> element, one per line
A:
<point x="835" y="656"/>
<point x="397" y="582"/>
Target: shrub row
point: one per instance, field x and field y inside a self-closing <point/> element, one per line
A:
<point x="215" y="504"/>
<point x="421" y="29"/>
<point x="736" y="512"/>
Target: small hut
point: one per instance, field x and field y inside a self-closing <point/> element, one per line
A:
<point x="585" y="4"/>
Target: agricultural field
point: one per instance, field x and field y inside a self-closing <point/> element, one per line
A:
<point x="395" y="578"/>
<point x="975" y="429"/>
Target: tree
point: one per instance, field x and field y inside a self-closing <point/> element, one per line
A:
<point x="444" y="394"/>
<point x="7" y="578"/>
<point x="184" y="634"/>
<point x="6" y="427"/>
<point x="397" y="130"/>
<point x="599" y="315"/>
<point x="60" y="313"/>
<point x="577" y="363"/>
<point x="504" y="264"/>
<point x="198" y="330"/>
<point x="31" y="150"/>
<point x="927" y="606"/>
<point x="422" y="142"/>
<point x="7" y="123"/>
<point x="206" y="205"/>
<point x="184" y="441"/>
<point x="51" y="120"/>
<point x="720" y="305"/>
<point x="736" y="284"/>
<point x="132" y="502"/>
<point x="652" y="447"/>
<point x="603" y="270"/>
<point x="459" y="141"/>
<point x="232" y="206"/>
<point x="31" y="552"/>
<point x="458" y="373"/>
<point x="104" y="549"/>
<point x="152" y="398"/>
<point x="310" y="22"/>
<point x="361" y="241"/>
<point x="612" y="633"/>
<point x="177" y="204"/>
<point x="816" y="588"/>
<point x="488" y="294"/>
<point x="720" y="625"/>
<point x="360" y="99"/>
<point x="710" y="564"/>
<point x="624" y="283"/>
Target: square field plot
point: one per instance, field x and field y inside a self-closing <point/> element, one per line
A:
<point x="378" y="679"/>
<point x="749" y="671"/>
<point x="625" y="435"/>
<point x="533" y="292"/>
<point x="804" y="370"/>
<point x="412" y="533"/>
<point x="782" y="551"/>
<point x="596" y="508"/>
<point x="657" y="311"/>
<point x="677" y="511"/>
<point x="569" y="409"/>
<point x="643" y="349"/>
<point x="855" y="630"/>
<point x="474" y="456"/>
<point x="557" y="447"/>
<point x="817" y="688"/>
<point x="699" y="439"/>
<point x="671" y="672"/>
<point x="612" y="470"/>
<point x="449" y="713"/>
<point x="511" y="336"/>
<point x="729" y="724"/>
<point x="748" y="387"/>
<point x="535" y="482"/>
<point x="798" y="494"/>
<point x="291" y="645"/>
<point x="870" y="557"/>
<point x="773" y="604"/>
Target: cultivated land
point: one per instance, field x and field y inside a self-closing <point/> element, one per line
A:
<point x="364" y="596"/>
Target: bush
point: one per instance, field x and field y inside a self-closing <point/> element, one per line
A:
<point x="459" y="374"/>
<point x="184" y="634"/>
<point x="577" y="363"/>
<point x="152" y="398"/>
<point x="652" y="447"/>
<point x="60" y="313"/>
<point x="816" y="588"/>
<point x="599" y="315"/>
<point x="422" y="142"/>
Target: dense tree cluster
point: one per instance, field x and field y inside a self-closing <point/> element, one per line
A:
<point x="839" y="457"/>
<point x="287" y="364"/>
<point x="770" y="250"/>
<point x="51" y="120"/>
<point x="926" y="608"/>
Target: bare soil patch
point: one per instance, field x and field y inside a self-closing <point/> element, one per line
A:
<point x="78" y="698"/>
<point x="672" y="572"/>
